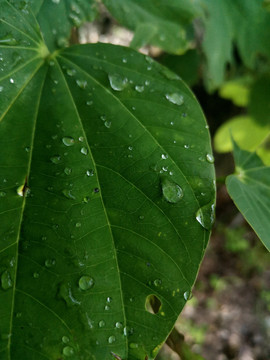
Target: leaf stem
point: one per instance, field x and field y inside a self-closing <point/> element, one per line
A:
<point x="176" y="342"/>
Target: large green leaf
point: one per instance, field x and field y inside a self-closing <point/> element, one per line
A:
<point x="250" y="190"/>
<point x="105" y="165"/>
<point x="158" y="22"/>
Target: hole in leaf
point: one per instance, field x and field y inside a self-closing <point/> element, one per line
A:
<point x="152" y="304"/>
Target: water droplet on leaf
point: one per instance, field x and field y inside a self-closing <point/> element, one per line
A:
<point x="111" y="339"/>
<point x="65" y="293"/>
<point x="84" y="151"/>
<point x="206" y="216"/>
<point x="49" y="263"/>
<point x="101" y="323"/>
<point x="65" y="339"/>
<point x="81" y="83"/>
<point x="117" y="82"/>
<point x="210" y="158"/>
<point x="67" y="171"/>
<point x="139" y="88"/>
<point x="175" y="98"/>
<point x="171" y="191"/>
<point x="86" y="282"/>
<point x="118" y="325"/>
<point x="8" y="39"/>
<point x="187" y="295"/>
<point x="68" y="194"/>
<point x="90" y="172"/>
<point x="68" y="351"/>
<point x="68" y="141"/>
<point x="56" y="159"/>
<point x="6" y="281"/>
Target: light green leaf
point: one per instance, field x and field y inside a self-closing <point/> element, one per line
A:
<point x="249" y="188"/>
<point x="246" y="131"/>
<point x="169" y="22"/>
<point x="237" y="91"/>
<point x="94" y="157"/>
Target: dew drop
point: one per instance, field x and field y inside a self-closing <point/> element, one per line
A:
<point x="206" y="216"/>
<point x="139" y="88"/>
<point x="90" y="172"/>
<point x="2" y="194"/>
<point x="68" y="351"/>
<point x="210" y="158"/>
<point x="89" y="102"/>
<point x="111" y="339"/>
<point x="65" y="339"/>
<point x="84" y="151"/>
<point x="117" y="82"/>
<point x="133" y="346"/>
<point x="67" y="171"/>
<point x="56" y="159"/>
<point x="118" y="325"/>
<point x="68" y="194"/>
<point x="187" y="295"/>
<point x="11" y="81"/>
<point x="86" y="282"/>
<point x="71" y="72"/>
<point x="78" y="224"/>
<point x="164" y="156"/>
<point x="171" y="191"/>
<point x="175" y="98"/>
<point x="1" y="88"/>
<point x="36" y="275"/>
<point x="109" y="299"/>
<point x="157" y="282"/>
<point x="8" y="39"/>
<point x="68" y="141"/>
<point x="108" y="124"/>
<point x="81" y="83"/>
<point x="65" y="293"/>
<point x="6" y="281"/>
<point x="20" y="190"/>
<point x="50" y="263"/>
<point x="101" y="323"/>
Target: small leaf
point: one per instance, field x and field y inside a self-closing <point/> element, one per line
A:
<point x="250" y="190"/>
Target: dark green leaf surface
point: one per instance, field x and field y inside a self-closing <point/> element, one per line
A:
<point x="105" y="164"/>
<point x="159" y="22"/>
<point x="250" y="190"/>
<point x="57" y="17"/>
<point x="230" y="23"/>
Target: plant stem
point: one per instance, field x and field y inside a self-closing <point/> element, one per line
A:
<point x="176" y="342"/>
